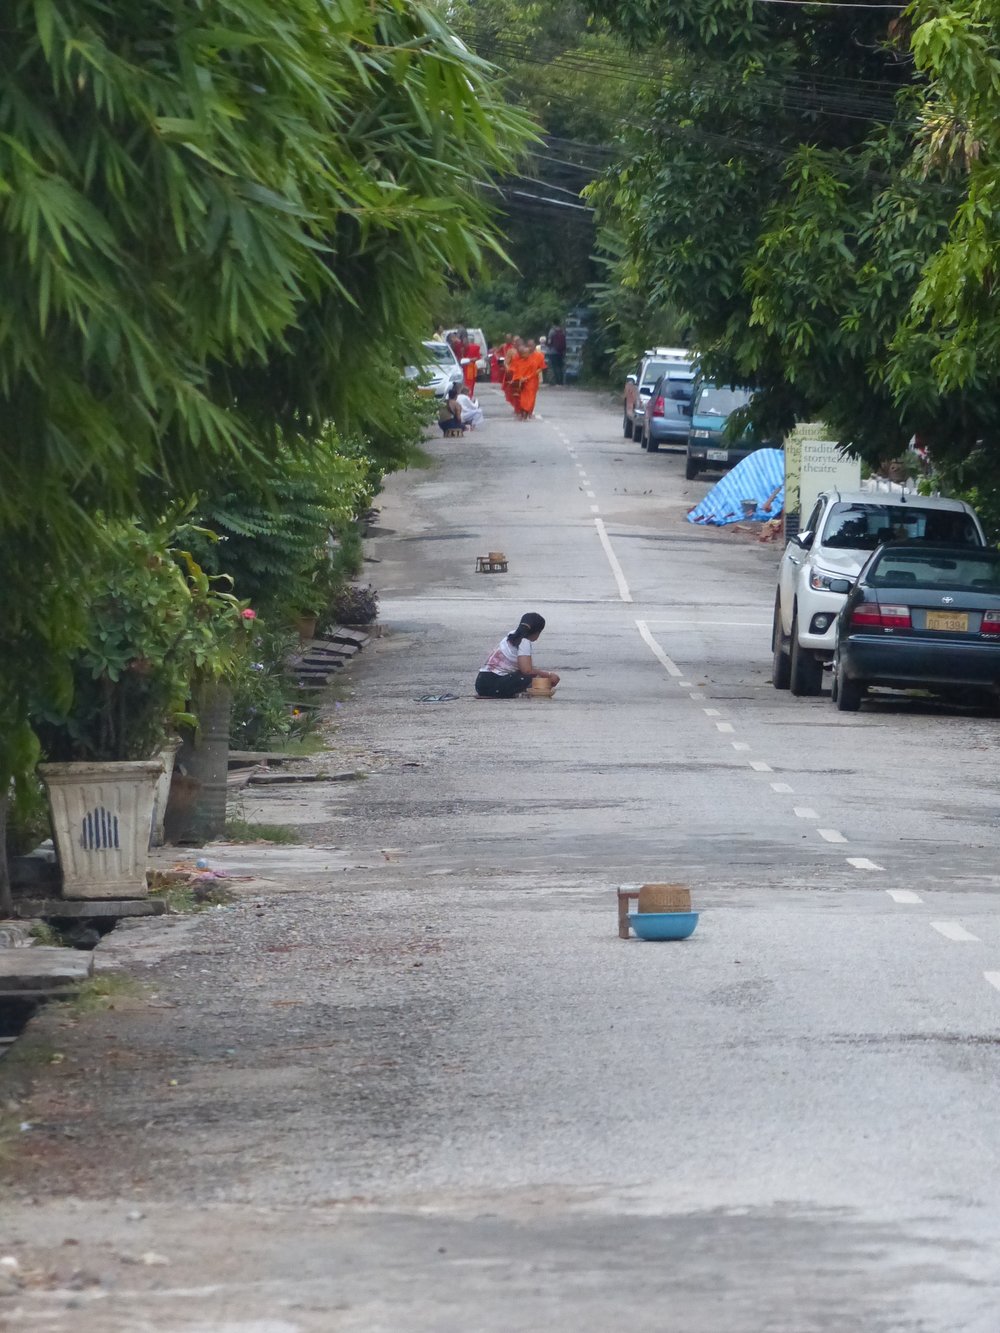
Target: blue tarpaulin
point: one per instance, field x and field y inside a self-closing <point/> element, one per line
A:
<point x="760" y="477"/>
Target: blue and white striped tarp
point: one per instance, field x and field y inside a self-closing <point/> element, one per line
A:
<point x="760" y="477"/>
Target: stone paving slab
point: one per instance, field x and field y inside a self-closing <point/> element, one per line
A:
<point x="43" y="970"/>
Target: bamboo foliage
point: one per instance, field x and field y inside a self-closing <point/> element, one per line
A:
<point x="211" y="213"/>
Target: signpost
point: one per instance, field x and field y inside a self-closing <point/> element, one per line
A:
<point x="813" y="464"/>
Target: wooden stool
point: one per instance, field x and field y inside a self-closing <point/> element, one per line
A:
<point x="454" y="434"/>
<point x="485" y="564"/>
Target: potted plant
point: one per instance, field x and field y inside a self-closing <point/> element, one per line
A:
<point x="154" y="620"/>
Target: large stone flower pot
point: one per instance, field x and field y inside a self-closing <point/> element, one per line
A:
<point x="101" y="819"/>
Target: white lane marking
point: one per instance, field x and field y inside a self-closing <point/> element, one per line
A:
<point x="830" y="835"/>
<point x="616" y="568"/>
<point x="740" y="745"/>
<point x="696" y="624"/>
<point x="993" y="978"/>
<point x="595" y="509"/>
<point x="668" y="663"/>
<point x="803" y="812"/>
<point x="590" y="495"/>
<point x="727" y="727"/>
<point x="759" y="766"/>
<point x="695" y="695"/>
<point x="685" y="684"/>
<point x="904" y="896"/>
<point x="711" y="712"/>
<point x="863" y="863"/>
<point x="951" y="930"/>
<point x="781" y="787"/>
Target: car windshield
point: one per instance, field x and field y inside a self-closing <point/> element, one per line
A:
<point x="654" y="369"/>
<point x="863" y="527"/>
<point x="979" y="572"/>
<point x="719" y="402"/>
<point x="440" y="354"/>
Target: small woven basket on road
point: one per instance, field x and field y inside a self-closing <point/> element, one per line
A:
<point x="664" y="898"/>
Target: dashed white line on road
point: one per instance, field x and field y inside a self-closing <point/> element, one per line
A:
<point x="904" y="896"/>
<point x="685" y="684"/>
<point x="781" y="787"/>
<point x="993" y="978"/>
<point x="616" y="568"/>
<point x="951" y="930"/>
<point x="725" y="726"/>
<point x="590" y="496"/>
<point x="803" y="812"/>
<point x="759" y="766"/>
<point x="740" y="745"/>
<point x="830" y="835"/>
<point x="595" y="509"/>
<point x="668" y="663"/>
<point x="712" y="712"/>
<point x="863" y="863"/>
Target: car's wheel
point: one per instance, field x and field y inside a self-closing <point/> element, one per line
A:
<point x="636" y="433"/>
<point x="805" y="669"/>
<point x="781" y="670"/>
<point x="652" y="445"/>
<point x="847" y="693"/>
<point x="691" y="469"/>
<point x="626" y="426"/>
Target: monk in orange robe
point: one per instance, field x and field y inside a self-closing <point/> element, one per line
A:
<point x="510" y="352"/>
<point x="471" y="354"/>
<point x="511" y="374"/>
<point x="529" y="371"/>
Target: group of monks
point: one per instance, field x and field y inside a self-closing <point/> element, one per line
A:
<point x="523" y="365"/>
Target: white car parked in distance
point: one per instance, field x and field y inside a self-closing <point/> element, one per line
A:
<point x="835" y="541"/>
<point x="438" y="372"/>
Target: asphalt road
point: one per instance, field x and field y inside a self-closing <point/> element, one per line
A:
<point x="437" y="1093"/>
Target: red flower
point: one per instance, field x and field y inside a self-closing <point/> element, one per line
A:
<point x="248" y="613"/>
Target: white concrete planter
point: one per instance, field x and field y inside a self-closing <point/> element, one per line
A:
<point x="101" y="820"/>
<point x="161" y="793"/>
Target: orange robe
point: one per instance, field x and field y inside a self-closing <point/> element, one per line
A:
<point x="513" y="386"/>
<point x="529" y="370"/>
<point x="471" y="370"/>
<point x="507" y="352"/>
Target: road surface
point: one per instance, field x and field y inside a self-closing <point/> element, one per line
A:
<point x="431" y="1091"/>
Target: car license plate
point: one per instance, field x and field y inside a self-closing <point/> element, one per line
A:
<point x="717" y="455"/>
<point x="947" y="620"/>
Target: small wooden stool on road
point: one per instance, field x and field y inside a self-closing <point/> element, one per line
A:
<point x="493" y="563"/>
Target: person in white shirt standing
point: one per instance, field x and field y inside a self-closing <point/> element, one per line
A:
<point x="472" y="413"/>
<point x="509" y="668"/>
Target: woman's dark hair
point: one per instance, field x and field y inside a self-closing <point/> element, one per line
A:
<point x="531" y="623"/>
<point x="453" y="391"/>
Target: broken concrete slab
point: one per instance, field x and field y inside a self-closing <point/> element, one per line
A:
<point x="73" y="908"/>
<point x="42" y="970"/>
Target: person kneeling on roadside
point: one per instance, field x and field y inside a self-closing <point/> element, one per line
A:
<point x="449" y="412"/>
<point x="509" y="669"/>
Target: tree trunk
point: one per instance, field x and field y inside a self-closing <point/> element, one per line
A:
<point x="6" y="898"/>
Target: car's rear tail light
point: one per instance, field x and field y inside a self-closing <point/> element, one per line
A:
<point x="991" y="623"/>
<point x="659" y="407"/>
<point x="895" y="617"/>
<point x="871" y="615"/>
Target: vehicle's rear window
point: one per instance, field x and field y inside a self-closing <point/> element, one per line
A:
<point x="863" y="527"/>
<point x="908" y="569"/>
<point x="717" y="401"/>
<point x="677" y="383"/>
<point x="652" y="372"/>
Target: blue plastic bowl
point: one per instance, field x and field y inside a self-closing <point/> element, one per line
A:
<point x="663" y="925"/>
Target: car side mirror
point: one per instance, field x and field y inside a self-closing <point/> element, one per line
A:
<point x="804" y="540"/>
<point x="840" y="585"/>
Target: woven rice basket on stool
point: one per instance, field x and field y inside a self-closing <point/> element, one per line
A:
<point x="541" y="687"/>
<point x="664" y="898"/>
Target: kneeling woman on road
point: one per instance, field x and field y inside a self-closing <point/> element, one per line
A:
<point x="510" y="669"/>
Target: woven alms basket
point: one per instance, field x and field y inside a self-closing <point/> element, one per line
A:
<point x="664" y="898"/>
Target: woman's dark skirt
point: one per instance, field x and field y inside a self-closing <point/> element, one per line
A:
<point x="491" y="686"/>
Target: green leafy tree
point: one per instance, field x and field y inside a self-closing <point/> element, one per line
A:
<point x="212" y="220"/>
<point x="809" y="202"/>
